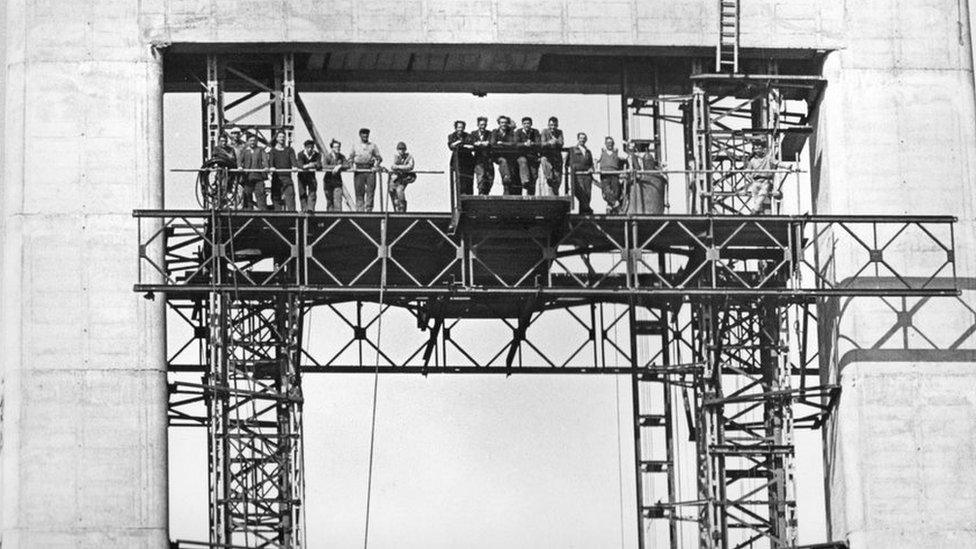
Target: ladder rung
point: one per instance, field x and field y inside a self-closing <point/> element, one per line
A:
<point x="735" y="474"/>
<point x="654" y="466"/>
<point x="652" y="420"/>
<point x="654" y="511"/>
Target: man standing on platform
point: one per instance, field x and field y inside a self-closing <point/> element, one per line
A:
<point x="335" y="162"/>
<point x="552" y="155"/>
<point x="366" y="160"/>
<point x="403" y="175"/>
<point x="646" y="195"/>
<point x="761" y="182"/>
<point x="254" y="158"/>
<point x="581" y="173"/>
<point x="281" y="160"/>
<point x="237" y="142"/>
<point x="504" y="143"/>
<point x="528" y="140"/>
<point x="484" y="170"/>
<point x="611" y="160"/>
<point x="462" y="161"/>
<point x="308" y="159"/>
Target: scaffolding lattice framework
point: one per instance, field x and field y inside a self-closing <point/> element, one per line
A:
<point x="741" y="277"/>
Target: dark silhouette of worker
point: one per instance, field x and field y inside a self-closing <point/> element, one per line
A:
<point x="551" y="163"/>
<point x="462" y="158"/>
<point x="366" y="159"/>
<point x="254" y="157"/>
<point x="484" y="169"/>
<point x="528" y="139"/>
<point x="503" y="145"/>
<point x="309" y="159"/>
<point x="282" y="157"/>
<point x="580" y="162"/>
<point x="334" y="162"/>
<point x="402" y="174"/>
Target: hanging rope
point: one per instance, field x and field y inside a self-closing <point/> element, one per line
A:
<point x="376" y="382"/>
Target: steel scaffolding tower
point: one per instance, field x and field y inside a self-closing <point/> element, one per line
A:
<point x="710" y="315"/>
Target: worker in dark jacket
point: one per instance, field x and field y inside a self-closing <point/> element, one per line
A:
<point x="528" y="139"/>
<point x="611" y="160"/>
<point x="282" y="157"/>
<point x="334" y="162"/>
<point x="309" y="159"/>
<point x="551" y="164"/>
<point x="504" y="143"/>
<point x="254" y="158"/>
<point x="484" y="169"/>
<point x="580" y="161"/>
<point x="401" y="175"/>
<point x="462" y="159"/>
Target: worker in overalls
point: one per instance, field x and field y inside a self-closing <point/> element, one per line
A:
<point x="401" y="175"/>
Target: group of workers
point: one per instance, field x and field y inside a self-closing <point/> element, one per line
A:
<point x="631" y="179"/>
<point x="257" y="164"/>
<point x="522" y="154"/>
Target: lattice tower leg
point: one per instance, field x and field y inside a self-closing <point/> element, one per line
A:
<point x="255" y="431"/>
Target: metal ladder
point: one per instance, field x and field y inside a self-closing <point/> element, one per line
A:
<point x="727" y="51"/>
<point x="653" y="431"/>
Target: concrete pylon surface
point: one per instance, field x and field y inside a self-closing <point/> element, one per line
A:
<point x="84" y="396"/>
<point x="895" y="135"/>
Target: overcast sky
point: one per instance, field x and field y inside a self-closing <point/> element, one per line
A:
<point x="461" y="461"/>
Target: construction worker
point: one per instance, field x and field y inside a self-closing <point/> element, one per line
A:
<point x="760" y="182"/>
<point x="237" y="142"/>
<point x="309" y="159"/>
<point x="402" y="175"/>
<point x="528" y="140"/>
<point x="334" y="162"/>
<point x="551" y="164"/>
<point x="462" y="159"/>
<point x="366" y="160"/>
<point x="580" y="162"/>
<point x="646" y="193"/>
<point x="282" y="157"/>
<point x="504" y="142"/>
<point x="224" y="154"/>
<point x="611" y="160"/>
<point x="484" y="170"/>
<point x="254" y="157"/>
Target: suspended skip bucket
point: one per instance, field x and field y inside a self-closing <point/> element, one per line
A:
<point x="646" y="195"/>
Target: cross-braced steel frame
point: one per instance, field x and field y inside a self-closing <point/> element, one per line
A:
<point x="696" y="310"/>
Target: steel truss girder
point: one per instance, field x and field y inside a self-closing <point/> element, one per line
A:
<point x="595" y="257"/>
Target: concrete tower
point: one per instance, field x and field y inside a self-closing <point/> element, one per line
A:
<point x="84" y="398"/>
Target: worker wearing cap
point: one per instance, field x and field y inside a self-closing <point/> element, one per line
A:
<point x="484" y="169"/>
<point x="402" y="175"/>
<point x="334" y="162"/>
<point x="528" y="139"/>
<point x="366" y="160"/>
<point x="281" y="160"/>
<point x="760" y="181"/>
<point x="551" y="164"/>
<point x="237" y="142"/>
<point x="309" y="159"/>
<point x="611" y="160"/>
<point x="503" y="144"/>
<point x="462" y="159"/>
<point x="254" y="158"/>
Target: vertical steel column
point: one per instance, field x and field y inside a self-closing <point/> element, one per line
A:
<point x="710" y="433"/>
<point x="701" y="199"/>
<point x="283" y="109"/>
<point x="213" y="107"/>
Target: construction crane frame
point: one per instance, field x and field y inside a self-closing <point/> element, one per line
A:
<point x="713" y="311"/>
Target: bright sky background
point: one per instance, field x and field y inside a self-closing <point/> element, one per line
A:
<point x="461" y="461"/>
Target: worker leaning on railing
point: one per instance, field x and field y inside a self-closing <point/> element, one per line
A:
<point x="366" y="159"/>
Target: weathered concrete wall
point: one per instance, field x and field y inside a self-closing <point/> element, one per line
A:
<point x="896" y="136"/>
<point x="765" y="23"/>
<point x="83" y="458"/>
